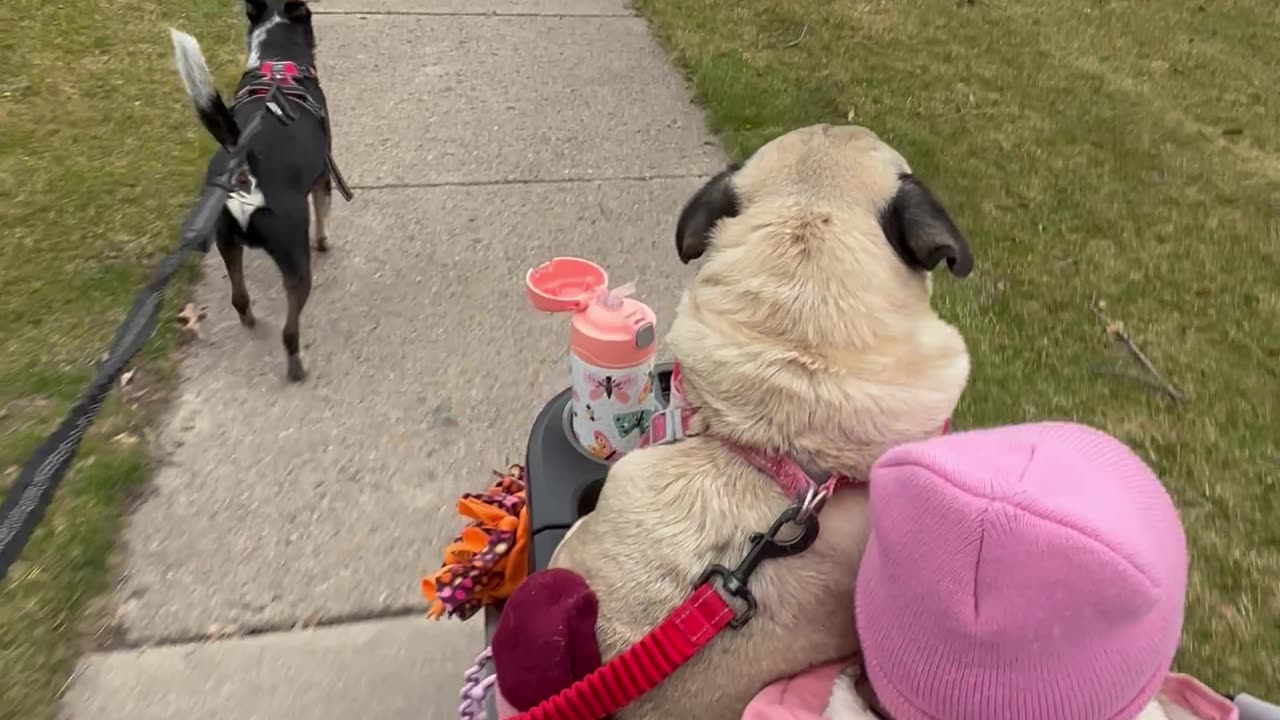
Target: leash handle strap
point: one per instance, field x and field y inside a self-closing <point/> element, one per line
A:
<point x="640" y="668"/>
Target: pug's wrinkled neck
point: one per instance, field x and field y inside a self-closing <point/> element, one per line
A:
<point x="752" y="424"/>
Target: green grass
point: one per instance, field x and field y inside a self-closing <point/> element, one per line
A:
<point x="1124" y="151"/>
<point x="100" y="157"/>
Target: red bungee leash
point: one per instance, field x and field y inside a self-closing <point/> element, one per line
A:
<point x="688" y="629"/>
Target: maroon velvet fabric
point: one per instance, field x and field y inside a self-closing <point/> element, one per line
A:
<point x="546" y="638"/>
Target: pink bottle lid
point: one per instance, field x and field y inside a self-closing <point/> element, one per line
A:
<point x="609" y="330"/>
<point x="565" y="284"/>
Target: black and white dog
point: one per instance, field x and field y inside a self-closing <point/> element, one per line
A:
<point x="287" y="163"/>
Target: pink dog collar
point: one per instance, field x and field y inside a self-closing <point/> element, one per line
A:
<point x="672" y="425"/>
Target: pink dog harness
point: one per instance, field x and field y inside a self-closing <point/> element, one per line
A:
<point x="672" y="425"/>
<point x="286" y="75"/>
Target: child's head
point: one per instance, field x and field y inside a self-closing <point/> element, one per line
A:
<point x="1035" y="572"/>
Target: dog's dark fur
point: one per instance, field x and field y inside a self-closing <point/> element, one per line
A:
<point x="289" y="162"/>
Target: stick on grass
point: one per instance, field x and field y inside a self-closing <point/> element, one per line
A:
<point x="1116" y="330"/>
<point x="803" y="31"/>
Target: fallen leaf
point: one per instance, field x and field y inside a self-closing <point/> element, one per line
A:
<point x="190" y="318"/>
<point x="125" y="439"/>
<point x="126" y="378"/>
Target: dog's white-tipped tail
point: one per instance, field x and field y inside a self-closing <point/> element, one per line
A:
<point x="213" y="112"/>
<point x="192" y="69"/>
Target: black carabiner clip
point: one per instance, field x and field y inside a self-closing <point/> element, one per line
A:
<point x="764" y="546"/>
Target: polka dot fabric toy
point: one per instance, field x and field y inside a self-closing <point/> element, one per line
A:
<point x="490" y="557"/>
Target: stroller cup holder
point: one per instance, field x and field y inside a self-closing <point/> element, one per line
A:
<point x="564" y="482"/>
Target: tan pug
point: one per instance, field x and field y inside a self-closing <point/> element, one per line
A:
<point x="807" y="332"/>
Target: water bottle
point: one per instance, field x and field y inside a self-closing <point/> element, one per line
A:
<point x="612" y="343"/>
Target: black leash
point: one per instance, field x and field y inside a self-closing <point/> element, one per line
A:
<point x="27" y="500"/>
<point x="343" y="188"/>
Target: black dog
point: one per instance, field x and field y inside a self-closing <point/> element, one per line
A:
<point x="287" y="163"/>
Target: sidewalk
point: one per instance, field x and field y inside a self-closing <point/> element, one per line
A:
<point x="272" y="571"/>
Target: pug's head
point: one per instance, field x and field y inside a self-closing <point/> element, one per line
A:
<point x="838" y="165"/>
<point x="808" y="328"/>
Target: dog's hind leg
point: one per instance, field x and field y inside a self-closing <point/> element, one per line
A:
<point x="297" y="289"/>
<point x="322" y="198"/>
<point x="232" y="251"/>
<point x="295" y="269"/>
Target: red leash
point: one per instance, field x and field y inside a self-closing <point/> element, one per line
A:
<point x="688" y="629"/>
<point x="642" y="666"/>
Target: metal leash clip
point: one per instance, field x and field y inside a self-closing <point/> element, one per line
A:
<point x="764" y="546"/>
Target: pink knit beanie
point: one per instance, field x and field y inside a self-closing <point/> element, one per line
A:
<point x="1034" y="572"/>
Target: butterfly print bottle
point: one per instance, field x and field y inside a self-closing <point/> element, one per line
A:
<point x="612" y="343"/>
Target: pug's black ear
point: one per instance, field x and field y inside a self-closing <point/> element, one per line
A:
<point x="713" y="202"/>
<point x="296" y="11"/>
<point x="255" y="10"/>
<point x="921" y="231"/>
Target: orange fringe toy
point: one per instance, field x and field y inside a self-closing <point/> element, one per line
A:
<point x="490" y="557"/>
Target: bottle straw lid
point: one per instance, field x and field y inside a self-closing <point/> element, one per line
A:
<point x="565" y="284"/>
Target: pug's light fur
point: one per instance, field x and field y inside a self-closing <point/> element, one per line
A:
<point x="808" y="332"/>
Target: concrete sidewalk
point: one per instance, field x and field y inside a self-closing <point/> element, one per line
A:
<point x="483" y="137"/>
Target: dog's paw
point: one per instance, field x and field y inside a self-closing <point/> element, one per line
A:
<point x="322" y="243"/>
<point x="296" y="373"/>
<point x="248" y="320"/>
